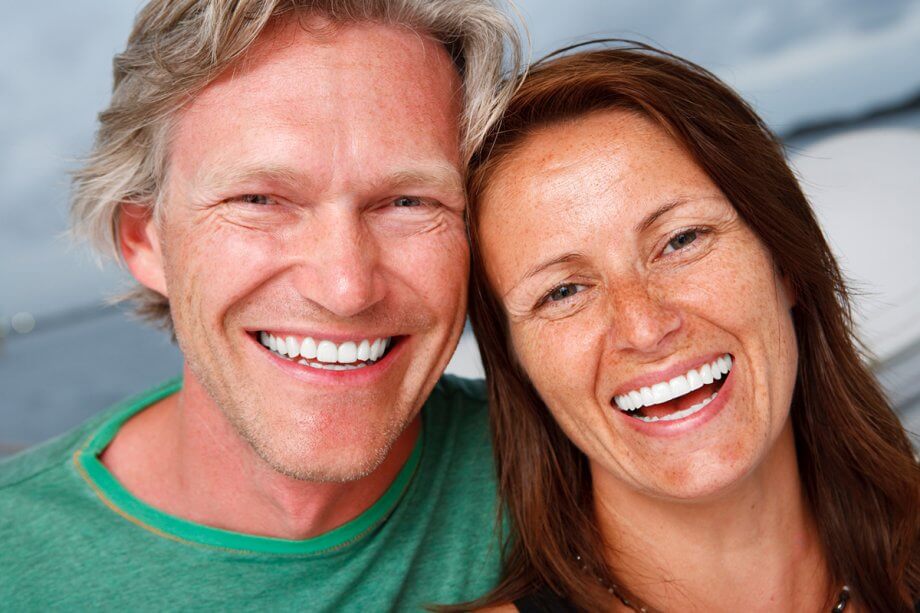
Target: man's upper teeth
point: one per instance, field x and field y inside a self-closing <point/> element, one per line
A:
<point x="321" y="350"/>
<point x="679" y="386"/>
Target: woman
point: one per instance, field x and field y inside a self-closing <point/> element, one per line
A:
<point x="682" y="417"/>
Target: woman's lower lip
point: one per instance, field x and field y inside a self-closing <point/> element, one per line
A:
<point x="676" y="427"/>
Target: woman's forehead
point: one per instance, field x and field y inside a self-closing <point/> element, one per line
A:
<point x="609" y="163"/>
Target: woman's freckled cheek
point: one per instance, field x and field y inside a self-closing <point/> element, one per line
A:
<point x="562" y="357"/>
<point x="732" y="454"/>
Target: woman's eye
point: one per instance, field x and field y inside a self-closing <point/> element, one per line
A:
<point x="407" y="201"/>
<point x="680" y="241"/>
<point x="564" y="291"/>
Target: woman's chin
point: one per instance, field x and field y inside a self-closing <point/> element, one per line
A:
<point x="699" y="489"/>
<point x="704" y="474"/>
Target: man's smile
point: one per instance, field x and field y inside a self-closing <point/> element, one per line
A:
<point x="327" y="354"/>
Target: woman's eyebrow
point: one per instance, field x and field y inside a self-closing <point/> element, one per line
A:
<point x="541" y="266"/>
<point x="649" y="219"/>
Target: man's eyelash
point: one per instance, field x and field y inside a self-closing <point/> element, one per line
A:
<point x="251" y="198"/>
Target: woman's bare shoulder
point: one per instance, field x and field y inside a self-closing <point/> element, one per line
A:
<point x="502" y="608"/>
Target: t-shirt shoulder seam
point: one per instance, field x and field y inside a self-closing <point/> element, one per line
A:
<point x="32" y="475"/>
<point x="57" y="452"/>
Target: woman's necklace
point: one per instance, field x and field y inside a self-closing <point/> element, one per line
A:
<point x="635" y="605"/>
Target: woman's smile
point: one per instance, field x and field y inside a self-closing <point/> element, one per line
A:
<point x="664" y="399"/>
<point x="622" y="269"/>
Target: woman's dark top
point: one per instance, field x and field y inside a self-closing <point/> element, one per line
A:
<point x="545" y="601"/>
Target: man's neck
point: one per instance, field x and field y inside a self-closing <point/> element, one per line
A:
<point x="184" y="458"/>
<point x="754" y="549"/>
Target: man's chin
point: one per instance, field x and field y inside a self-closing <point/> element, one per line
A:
<point x="328" y="467"/>
<point x="341" y="456"/>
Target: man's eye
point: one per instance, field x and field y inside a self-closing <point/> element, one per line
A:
<point x="567" y="290"/>
<point x="680" y="241"/>
<point x="407" y="201"/>
<point x="255" y="199"/>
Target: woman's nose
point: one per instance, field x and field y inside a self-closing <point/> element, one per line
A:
<point x="641" y="321"/>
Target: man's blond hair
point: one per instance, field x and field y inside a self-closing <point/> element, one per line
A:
<point x="177" y="47"/>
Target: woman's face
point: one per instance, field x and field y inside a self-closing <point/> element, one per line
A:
<point x="630" y="283"/>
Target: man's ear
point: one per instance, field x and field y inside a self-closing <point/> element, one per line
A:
<point x="139" y="242"/>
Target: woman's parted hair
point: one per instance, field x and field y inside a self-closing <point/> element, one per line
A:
<point x="177" y="47"/>
<point x="858" y="471"/>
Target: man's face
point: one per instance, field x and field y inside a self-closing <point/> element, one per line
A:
<point x="313" y="196"/>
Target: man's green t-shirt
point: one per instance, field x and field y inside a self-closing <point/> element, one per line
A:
<point x="71" y="538"/>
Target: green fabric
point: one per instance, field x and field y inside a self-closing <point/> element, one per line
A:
<point x="71" y="538"/>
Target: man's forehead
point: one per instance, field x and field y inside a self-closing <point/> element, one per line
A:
<point x="339" y="69"/>
<point x="380" y="107"/>
<point x="336" y="43"/>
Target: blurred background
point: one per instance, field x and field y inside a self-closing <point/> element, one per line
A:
<point x="838" y="80"/>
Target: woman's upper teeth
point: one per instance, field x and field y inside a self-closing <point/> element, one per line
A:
<point x="664" y="391"/>
<point x="321" y="350"/>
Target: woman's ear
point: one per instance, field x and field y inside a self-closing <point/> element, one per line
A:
<point x="139" y="242"/>
<point x="785" y="285"/>
<point x="788" y="288"/>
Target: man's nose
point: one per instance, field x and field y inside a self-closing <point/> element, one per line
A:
<point x="641" y="321"/>
<point x="341" y="265"/>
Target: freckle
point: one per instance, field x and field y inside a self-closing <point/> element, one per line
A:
<point x="677" y="475"/>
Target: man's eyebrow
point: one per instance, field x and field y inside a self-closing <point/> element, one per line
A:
<point x="218" y="177"/>
<point x="443" y="177"/>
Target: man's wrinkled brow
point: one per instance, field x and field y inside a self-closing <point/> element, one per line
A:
<point x="444" y="178"/>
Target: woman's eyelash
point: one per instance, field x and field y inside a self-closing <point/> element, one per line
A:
<point x="687" y="236"/>
<point x="564" y="290"/>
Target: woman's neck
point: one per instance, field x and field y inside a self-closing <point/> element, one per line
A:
<point x="754" y="548"/>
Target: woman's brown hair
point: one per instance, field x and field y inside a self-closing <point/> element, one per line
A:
<point x="859" y="475"/>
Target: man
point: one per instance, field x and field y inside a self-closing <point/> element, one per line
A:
<point x="285" y="183"/>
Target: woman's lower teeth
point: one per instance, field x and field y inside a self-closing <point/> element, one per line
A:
<point x="679" y="414"/>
